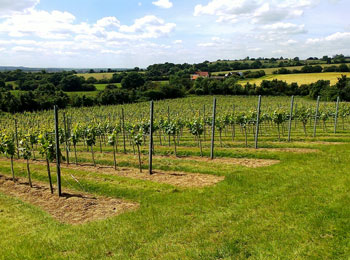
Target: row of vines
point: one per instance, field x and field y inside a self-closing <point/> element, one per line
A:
<point x="177" y="123"/>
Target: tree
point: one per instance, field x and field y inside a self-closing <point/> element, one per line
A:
<point x="133" y="80"/>
<point x="72" y="83"/>
<point x="2" y="84"/>
<point x="343" y="68"/>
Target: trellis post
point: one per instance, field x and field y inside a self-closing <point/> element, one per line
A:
<point x="58" y="153"/>
<point x="151" y="138"/>
<point x="336" y="115"/>
<point x="257" y="123"/>
<point x="290" y="118"/>
<point x="316" y="115"/>
<point x="123" y="129"/>
<point x="65" y="136"/>
<point x="213" y="130"/>
<point x="16" y="134"/>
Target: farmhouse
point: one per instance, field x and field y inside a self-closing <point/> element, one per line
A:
<point x="200" y="74"/>
<point x="203" y="74"/>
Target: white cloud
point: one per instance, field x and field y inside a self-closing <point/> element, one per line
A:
<point x="285" y="28"/>
<point x="52" y="25"/>
<point x="254" y="49"/>
<point x="8" y="7"/>
<point x="23" y="49"/>
<point x="163" y="4"/>
<point x="341" y="38"/>
<point x="177" y="42"/>
<point x="288" y="43"/>
<point x="206" y="44"/>
<point x="149" y="26"/>
<point x="227" y="10"/>
<point x="56" y="34"/>
<point x="108" y="22"/>
<point x="112" y="52"/>
<point x="61" y="25"/>
<point x="257" y="11"/>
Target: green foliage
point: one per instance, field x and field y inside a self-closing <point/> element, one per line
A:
<point x="47" y="146"/>
<point x="25" y="148"/>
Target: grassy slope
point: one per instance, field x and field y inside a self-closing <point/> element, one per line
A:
<point x="299" y="78"/>
<point x="297" y="209"/>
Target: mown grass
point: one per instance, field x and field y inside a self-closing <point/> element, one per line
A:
<point x="297" y="209"/>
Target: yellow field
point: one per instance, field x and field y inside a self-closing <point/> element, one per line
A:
<point x="300" y="78"/>
<point x="97" y="76"/>
<point x="271" y="70"/>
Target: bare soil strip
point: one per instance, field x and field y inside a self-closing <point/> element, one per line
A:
<point x="320" y="142"/>
<point x="181" y="179"/>
<point x="251" y="163"/>
<point x="289" y="150"/>
<point x="72" y="208"/>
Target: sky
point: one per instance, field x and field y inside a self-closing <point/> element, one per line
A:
<point x="138" y="33"/>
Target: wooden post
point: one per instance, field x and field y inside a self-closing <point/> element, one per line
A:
<point x="336" y="115"/>
<point x="16" y="135"/>
<point x="290" y="118"/>
<point x="257" y="123"/>
<point x="65" y="137"/>
<point x="151" y="138"/>
<point x="123" y="129"/>
<point x="58" y="153"/>
<point x="213" y="130"/>
<point x="316" y="115"/>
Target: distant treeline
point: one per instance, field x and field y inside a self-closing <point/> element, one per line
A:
<point x="46" y="92"/>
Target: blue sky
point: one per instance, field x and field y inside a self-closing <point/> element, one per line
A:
<point x="129" y="33"/>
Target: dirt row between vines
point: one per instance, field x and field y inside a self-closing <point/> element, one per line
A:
<point x="72" y="208"/>
<point x="181" y="179"/>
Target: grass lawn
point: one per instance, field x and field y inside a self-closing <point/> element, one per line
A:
<point x="306" y="78"/>
<point x="297" y="209"/>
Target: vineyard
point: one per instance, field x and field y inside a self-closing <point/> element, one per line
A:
<point x="134" y="152"/>
<point x="181" y="128"/>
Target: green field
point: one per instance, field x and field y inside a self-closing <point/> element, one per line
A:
<point x="306" y="78"/>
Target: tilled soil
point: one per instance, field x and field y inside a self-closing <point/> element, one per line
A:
<point x="72" y="208"/>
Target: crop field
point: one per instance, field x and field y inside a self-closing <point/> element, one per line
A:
<point x="301" y="78"/>
<point x="97" y="76"/>
<point x="288" y="199"/>
<point x="269" y="71"/>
